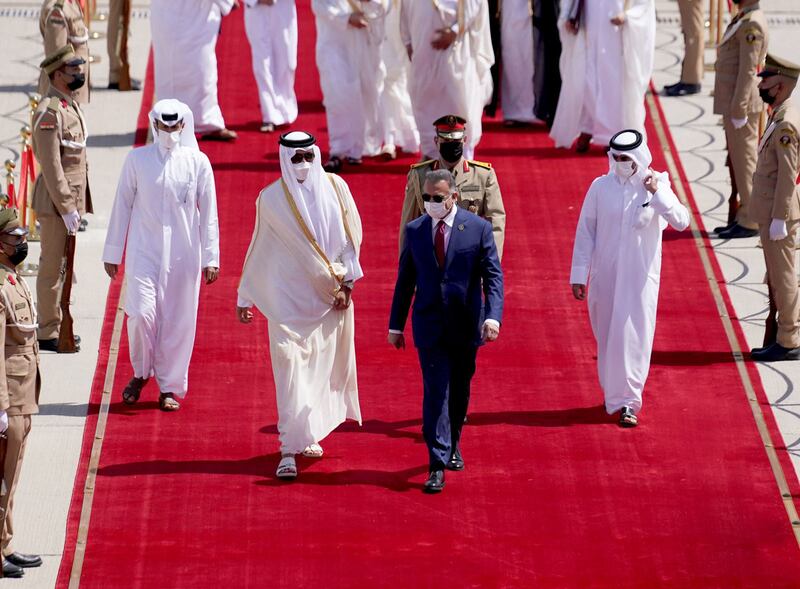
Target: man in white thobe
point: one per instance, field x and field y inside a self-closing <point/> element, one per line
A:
<point x="618" y="254"/>
<point x="349" y="38"/>
<point x="166" y="211"/>
<point x="184" y="35"/>
<point x="517" y="81"/>
<point x="299" y="271"/>
<point x="271" y="27"/>
<point x="451" y="56"/>
<point x="608" y="48"/>
<point x="397" y="116"/>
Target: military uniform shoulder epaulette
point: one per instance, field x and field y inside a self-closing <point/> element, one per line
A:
<point x="422" y="164"/>
<point x="486" y="165"/>
<point x="54" y="103"/>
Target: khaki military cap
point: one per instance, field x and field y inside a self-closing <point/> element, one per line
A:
<point x="9" y="222"/>
<point x="60" y="58"/>
<point x="777" y="66"/>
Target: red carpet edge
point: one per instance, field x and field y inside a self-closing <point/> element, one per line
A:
<point x="779" y="459"/>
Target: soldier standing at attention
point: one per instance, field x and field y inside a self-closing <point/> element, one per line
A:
<point x="19" y="377"/>
<point x="61" y="22"/>
<point x="693" y="28"/>
<point x="776" y="204"/>
<point x="739" y="57"/>
<point x="61" y="193"/>
<point x="116" y="28"/>
<point x="476" y="183"/>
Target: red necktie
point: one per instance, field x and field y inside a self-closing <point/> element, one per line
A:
<point x="438" y="244"/>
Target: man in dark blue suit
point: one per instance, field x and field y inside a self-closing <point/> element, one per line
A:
<point x="448" y="265"/>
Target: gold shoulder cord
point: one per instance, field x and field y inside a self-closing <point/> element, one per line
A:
<point x="304" y="228"/>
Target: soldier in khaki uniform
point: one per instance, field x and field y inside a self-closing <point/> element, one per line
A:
<point x="19" y="377"/>
<point x="476" y="182"/>
<point x="739" y="57"/>
<point x="114" y="44"/>
<point x="693" y="27"/>
<point x="61" y="22"/>
<point x="776" y="204"/>
<point x="61" y="193"/>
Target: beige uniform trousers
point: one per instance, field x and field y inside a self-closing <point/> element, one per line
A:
<point x="114" y="40"/>
<point x="18" y="428"/>
<point x="50" y="279"/>
<point x="782" y="275"/>
<point x="693" y="25"/>
<point x="742" y="149"/>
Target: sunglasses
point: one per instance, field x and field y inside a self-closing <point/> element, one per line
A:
<point x="434" y="197"/>
<point x="299" y="157"/>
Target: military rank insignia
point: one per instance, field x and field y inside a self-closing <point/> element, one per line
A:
<point x="750" y="37"/>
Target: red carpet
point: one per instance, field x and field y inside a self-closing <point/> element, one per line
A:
<point x="554" y="494"/>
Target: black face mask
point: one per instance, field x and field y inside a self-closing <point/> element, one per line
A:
<point x="20" y="253"/>
<point x="78" y="80"/>
<point x="451" y="151"/>
<point x="766" y="96"/>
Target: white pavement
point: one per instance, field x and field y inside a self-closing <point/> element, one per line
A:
<point x="45" y="490"/>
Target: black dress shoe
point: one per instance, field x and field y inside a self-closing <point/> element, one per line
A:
<point x="737" y="232"/>
<point x="435" y="482"/>
<point x="774" y="353"/>
<point x="136" y="85"/>
<point x="25" y="561"/>
<point x="456" y="461"/>
<point x="722" y="228"/>
<point x="12" y="571"/>
<point x="51" y="345"/>
<point x="681" y="89"/>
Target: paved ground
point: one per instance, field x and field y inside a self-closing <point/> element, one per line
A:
<point x="44" y="493"/>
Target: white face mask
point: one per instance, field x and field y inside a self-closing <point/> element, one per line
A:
<point x="301" y="170"/>
<point x="623" y="169"/>
<point x="168" y="140"/>
<point x="436" y="210"/>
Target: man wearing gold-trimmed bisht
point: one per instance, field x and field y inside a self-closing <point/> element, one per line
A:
<point x="476" y="182"/>
<point x="300" y="270"/>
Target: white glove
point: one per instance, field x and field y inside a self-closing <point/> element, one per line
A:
<point x="777" y="230"/>
<point x="738" y="123"/>
<point x="3" y="421"/>
<point x="72" y="220"/>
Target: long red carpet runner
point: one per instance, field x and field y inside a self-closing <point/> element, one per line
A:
<point x="554" y="493"/>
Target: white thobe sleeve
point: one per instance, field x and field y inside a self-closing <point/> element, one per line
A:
<point x="333" y="12"/>
<point x="583" y="249"/>
<point x="209" y="224"/>
<point x="121" y="213"/>
<point x="667" y="205"/>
